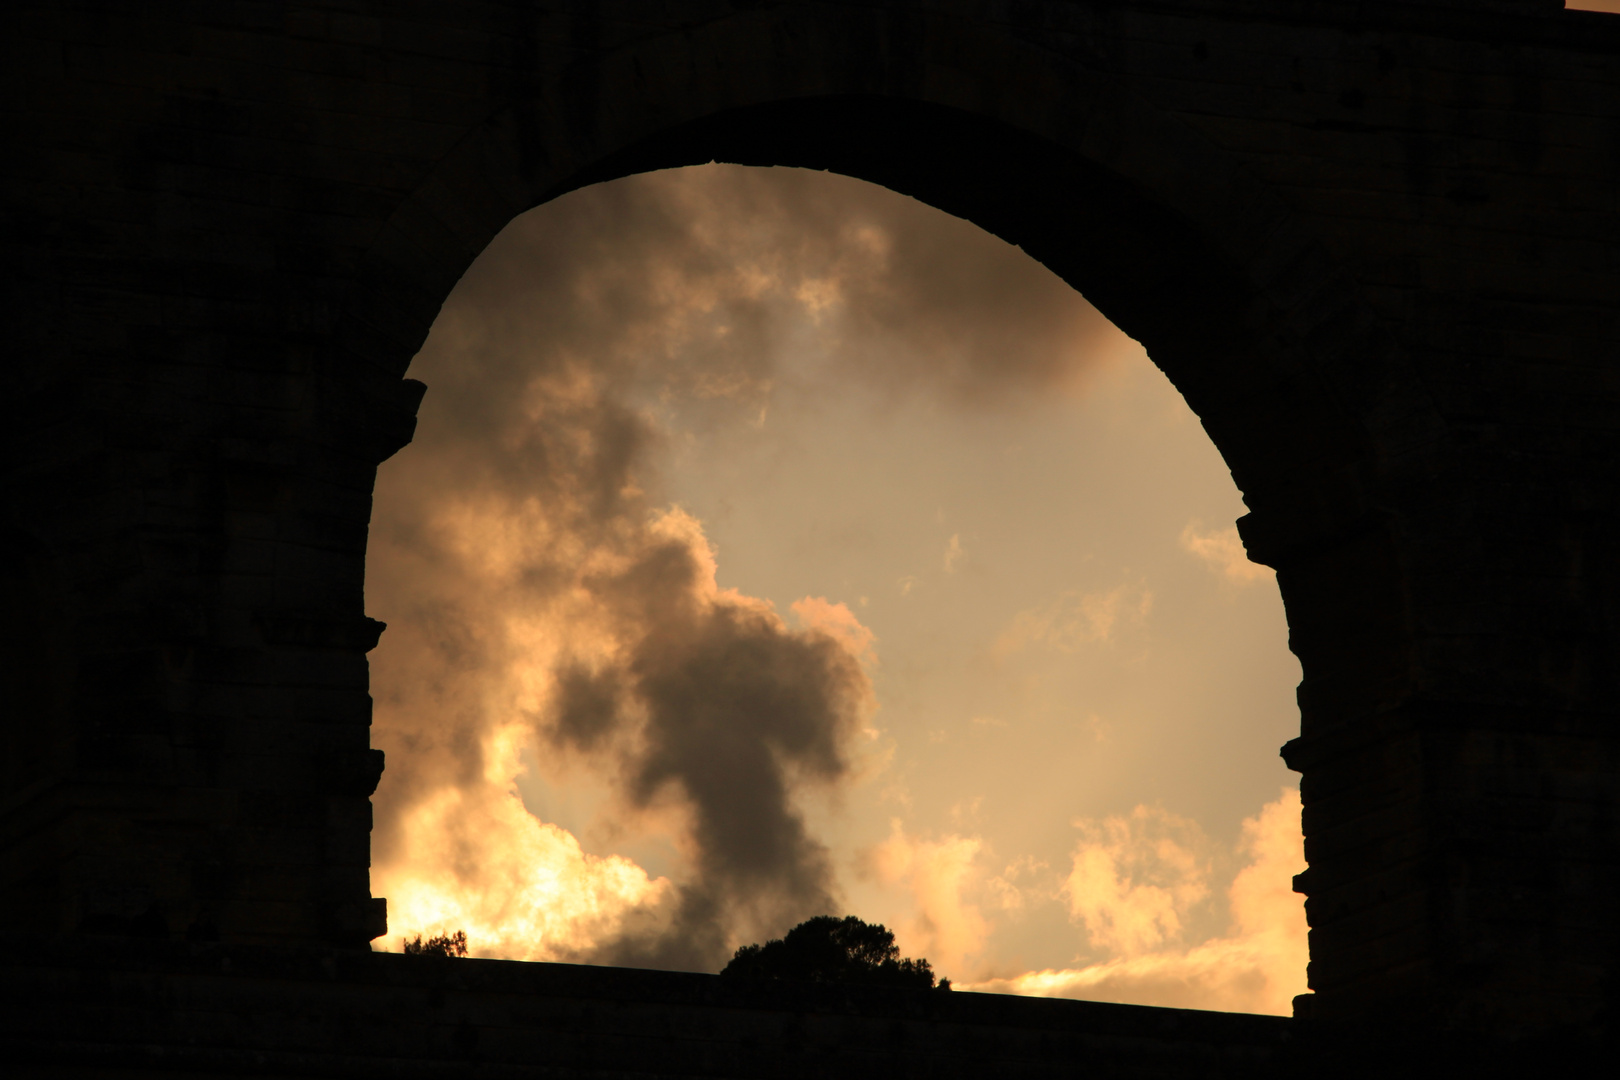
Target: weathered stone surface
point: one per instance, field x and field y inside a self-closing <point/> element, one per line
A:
<point x="1373" y="243"/>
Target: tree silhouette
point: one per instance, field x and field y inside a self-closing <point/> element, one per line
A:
<point x="827" y="949"/>
<point x="444" y="945"/>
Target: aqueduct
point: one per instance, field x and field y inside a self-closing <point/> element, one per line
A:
<point x="1373" y="244"/>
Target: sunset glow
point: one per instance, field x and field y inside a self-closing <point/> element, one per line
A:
<point x="773" y="545"/>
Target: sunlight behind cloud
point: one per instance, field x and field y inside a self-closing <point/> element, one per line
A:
<point x="1259" y="966"/>
<point x="945" y="927"/>
<point x="837" y="621"/>
<point x="1135" y="878"/>
<point x="590" y="623"/>
<point x="521" y="889"/>
<point x="865" y="406"/>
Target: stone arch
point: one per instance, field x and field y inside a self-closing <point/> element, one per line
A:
<point x="1300" y="388"/>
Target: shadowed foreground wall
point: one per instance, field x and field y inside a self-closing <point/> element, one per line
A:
<point x="124" y="1010"/>
<point x="1373" y="244"/>
<point x="280" y="1012"/>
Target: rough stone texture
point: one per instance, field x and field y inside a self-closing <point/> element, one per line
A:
<point x="1375" y="244"/>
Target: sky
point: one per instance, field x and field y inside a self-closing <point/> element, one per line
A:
<point x="775" y="545"/>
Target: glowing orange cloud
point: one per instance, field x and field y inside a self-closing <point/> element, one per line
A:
<point x="839" y="623"/>
<point x="522" y="889"/>
<point x="1134" y="879"/>
<point x="547" y="605"/>
<point x="632" y="659"/>
<point x="1258" y="967"/>
<point x="945" y="927"/>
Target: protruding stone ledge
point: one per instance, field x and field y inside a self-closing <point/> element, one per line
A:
<point x="316" y="630"/>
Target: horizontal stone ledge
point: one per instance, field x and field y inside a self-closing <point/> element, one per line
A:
<point x="309" y="630"/>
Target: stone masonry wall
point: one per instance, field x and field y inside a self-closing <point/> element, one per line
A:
<point x="1373" y="243"/>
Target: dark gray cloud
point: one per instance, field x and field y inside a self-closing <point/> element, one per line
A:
<point x="525" y="559"/>
<point x="731" y="712"/>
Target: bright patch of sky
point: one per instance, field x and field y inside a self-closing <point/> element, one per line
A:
<point x="771" y="542"/>
<point x="1051" y="644"/>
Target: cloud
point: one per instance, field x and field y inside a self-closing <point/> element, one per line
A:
<point x="700" y="705"/>
<point x="539" y="596"/>
<point x="1004" y="890"/>
<point x="945" y="927"/>
<point x="838" y="622"/>
<point x="541" y="593"/>
<point x="1223" y="551"/>
<point x="1259" y="966"/>
<point x="729" y="712"/>
<point x="953" y="553"/>
<point x="521" y="889"/>
<point x="1135" y="878"/>
<point x="1075" y="619"/>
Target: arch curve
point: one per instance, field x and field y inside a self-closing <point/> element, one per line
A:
<point x="1230" y="291"/>
<point x="1299" y="386"/>
<point x="233" y="234"/>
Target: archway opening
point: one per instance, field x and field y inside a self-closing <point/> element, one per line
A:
<point x="1045" y="687"/>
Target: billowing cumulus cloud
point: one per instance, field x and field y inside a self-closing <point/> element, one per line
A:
<point x="614" y="650"/>
<point x="947" y="926"/>
<point x="837" y="621"/>
<point x="549" y="609"/>
<point x="1136" y="877"/>
<point x="520" y="888"/>
<point x="1132" y="885"/>
<point x="706" y="698"/>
